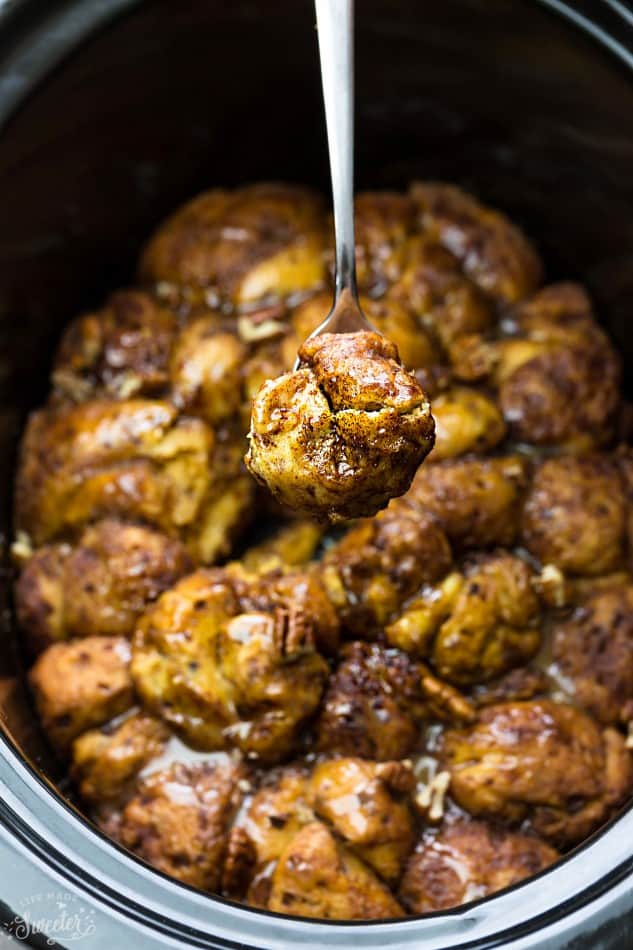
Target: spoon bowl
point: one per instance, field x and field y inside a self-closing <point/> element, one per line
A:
<point x="345" y="316"/>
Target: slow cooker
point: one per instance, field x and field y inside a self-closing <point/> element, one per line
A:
<point x="111" y="113"/>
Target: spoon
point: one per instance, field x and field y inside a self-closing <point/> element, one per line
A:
<point x="335" y="25"/>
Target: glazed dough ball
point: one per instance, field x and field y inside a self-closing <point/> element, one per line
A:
<point x="575" y="515"/>
<point x="119" y="351"/>
<point x="466" y="860"/>
<point x="373" y="706"/>
<point x="465" y="421"/>
<point x="545" y="766"/>
<point x="206" y="370"/>
<point x="79" y="685"/>
<point x="377" y="701"/>
<point x="433" y="287"/>
<point x="593" y="653"/>
<point x="367" y="804"/>
<point x="240" y="246"/>
<point x="379" y="824"/>
<point x="476" y="501"/>
<point x="98" y="586"/>
<point x="381" y="562"/>
<point x="179" y="820"/>
<point x="493" y="252"/>
<point x="227" y="667"/>
<point x="316" y="876"/>
<point x="106" y="762"/>
<point x="344" y="433"/>
<point x="134" y="459"/>
<point x="474" y="625"/>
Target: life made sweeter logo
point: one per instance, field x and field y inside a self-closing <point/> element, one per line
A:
<point x="59" y="917"/>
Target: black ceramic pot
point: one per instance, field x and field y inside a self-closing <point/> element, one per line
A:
<point x="111" y="113"/>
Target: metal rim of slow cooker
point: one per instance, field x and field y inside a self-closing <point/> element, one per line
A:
<point x="589" y="880"/>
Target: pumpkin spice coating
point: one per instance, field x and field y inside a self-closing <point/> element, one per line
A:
<point x="121" y="350"/>
<point x="494" y="253"/>
<point x="477" y="623"/>
<point x="344" y="433"/>
<point x="477" y="501"/>
<point x="135" y="459"/>
<point x="373" y="705"/>
<point x="544" y="365"/>
<point x="366" y="803"/>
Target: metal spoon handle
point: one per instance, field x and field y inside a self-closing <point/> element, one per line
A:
<point x="335" y="24"/>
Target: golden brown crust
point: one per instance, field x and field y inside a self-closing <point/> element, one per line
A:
<point x="574" y="515"/>
<point x="81" y="684"/>
<point x="223" y="670"/>
<point x="206" y="370"/>
<point x="493" y="251"/>
<point x="120" y="351"/>
<point x="105" y="762"/>
<point x="593" y="650"/>
<point x="476" y="501"/>
<point x="553" y="398"/>
<point x="466" y="860"/>
<point x="133" y="459"/>
<point x="374" y="704"/>
<point x="179" y="821"/>
<point x="279" y="809"/>
<point x="560" y="312"/>
<point x="242" y="245"/>
<point x="357" y="799"/>
<point x="545" y="764"/>
<point x="98" y="586"/>
<point x="317" y="877"/>
<point x="465" y="421"/>
<point x="365" y="803"/>
<point x="493" y="624"/>
<point x="381" y="562"/>
<point x="344" y="433"/>
<point x="475" y="624"/>
<point x="433" y="288"/>
<point x="545" y="364"/>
